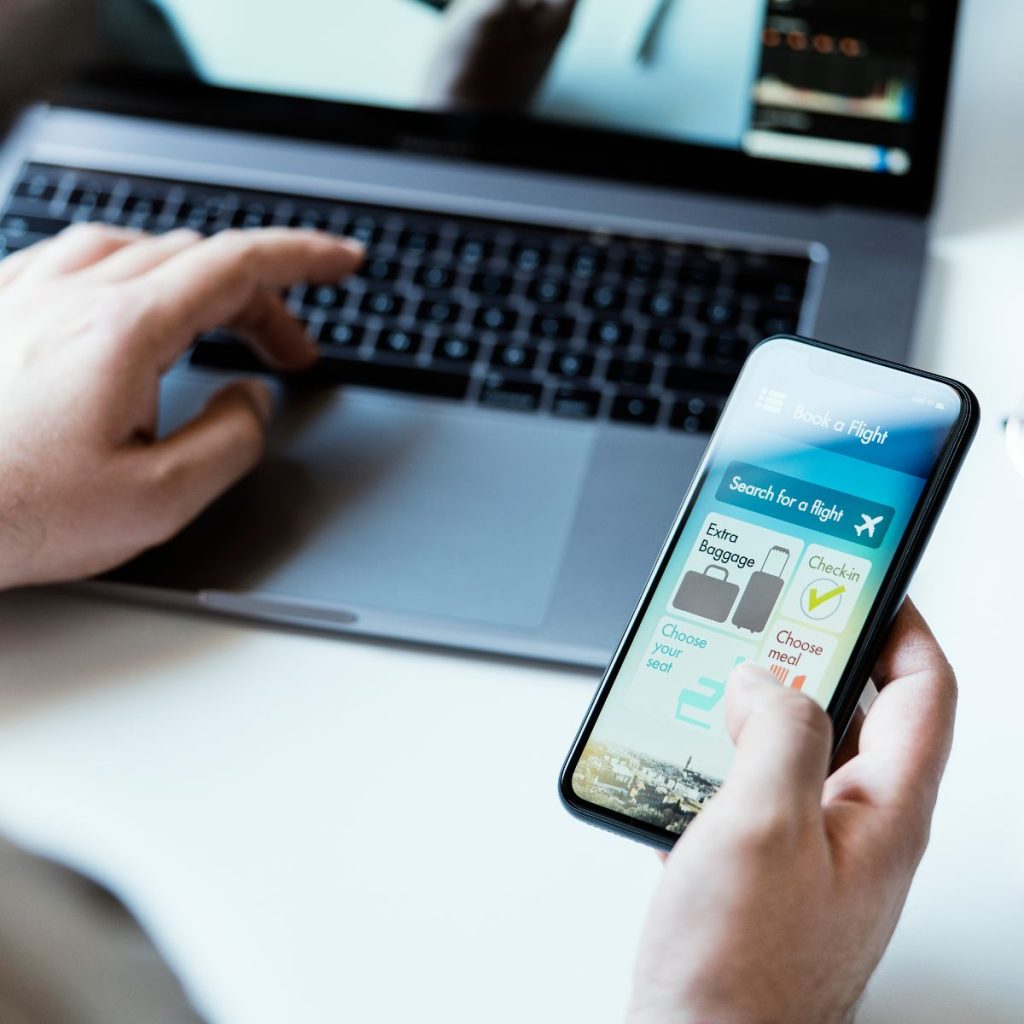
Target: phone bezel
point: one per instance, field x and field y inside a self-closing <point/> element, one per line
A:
<point x="890" y="596"/>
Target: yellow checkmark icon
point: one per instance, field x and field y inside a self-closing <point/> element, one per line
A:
<point x="816" y="600"/>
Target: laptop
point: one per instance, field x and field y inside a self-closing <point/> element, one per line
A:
<point x="579" y="218"/>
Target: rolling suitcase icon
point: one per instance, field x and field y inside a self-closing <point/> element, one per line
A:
<point x="705" y="595"/>
<point x="759" y="597"/>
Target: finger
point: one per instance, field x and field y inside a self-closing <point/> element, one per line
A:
<point x="279" y="339"/>
<point x="907" y="735"/>
<point x="552" y="15"/>
<point x="851" y="741"/>
<point x="143" y="255"/>
<point x="11" y="266"/>
<point x="910" y="649"/>
<point x="77" y="247"/>
<point x="212" y="283"/>
<point x="186" y="471"/>
<point x="783" y="744"/>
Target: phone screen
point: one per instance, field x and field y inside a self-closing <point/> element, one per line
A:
<point x="812" y="479"/>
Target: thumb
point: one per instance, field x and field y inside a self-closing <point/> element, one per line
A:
<point x="205" y="457"/>
<point x="783" y="743"/>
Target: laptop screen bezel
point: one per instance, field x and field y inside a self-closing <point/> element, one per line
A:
<point x="523" y="142"/>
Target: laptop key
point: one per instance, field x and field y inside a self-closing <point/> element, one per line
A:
<point x="502" y="392"/>
<point x="380" y="270"/>
<point x="643" y="265"/>
<point x="201" y="216"/>
<point x="492" y="285"/>
<point x="496" y="318"/>
<point x="720" y="312"/>
<point x="576" y="403"/>
<point x="473" y="251"/>
<point x="417" y="241"/>
<point x="438" y="311"/>
<point x="662" y="305"/>
<point x="635" y="409"/>
<point x="434" y="277"/>
<point x="514" y="357"/>
<point x="309" y="218"/>
<point x="529" y="257"/>
<point x="769" y="321"/>
<point x="39" y="185"/>
<point x="10" y="245"/>
<point x="16" y="226"/>
<point x="552" y="327"/>
<point x="253" y="215"/>
<point x="634" y="372"/>
<point x="571" y="365"/>
<point x="365" y="230"/>
<point x="610" y="333"/>
<point x="549" y="290"/>
<point x="726" y="348"/>
<point x="586" y="263"/>
<point x="453" y="349"/>
<point x="88" y="197"/>
<point x="141" y="208"/>
<point x="604" y="297"/>
<point x="695" y="416"/>
<point x="396" y="342"/>
<point x="337" y="368"/>
<point x="668" y="341"/>
<point x="764" y="285"/>
<point x="705" y="275"/>
<point x="698" y="378"/>
<point x="381" y="303"/>
<point x="323" y="297"/>
<point x="342" y="335"/>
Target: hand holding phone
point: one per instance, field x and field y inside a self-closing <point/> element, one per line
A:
<point x="780" y="899"/>
<point x="792" y="551"/>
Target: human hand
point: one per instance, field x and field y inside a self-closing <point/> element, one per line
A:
<point x="91" y="320"/>
<point x="495" y="53"/>
<point x="778" y="902"/>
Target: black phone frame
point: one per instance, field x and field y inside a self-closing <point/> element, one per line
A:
<point x="872" y="638"/>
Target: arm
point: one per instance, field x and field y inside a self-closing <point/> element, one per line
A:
<point x="495" y="53"/>
<point x="91" y="320"/>
<point x="779" y="901"/>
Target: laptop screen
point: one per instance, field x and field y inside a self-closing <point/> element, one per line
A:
<point x="827" y="83"/>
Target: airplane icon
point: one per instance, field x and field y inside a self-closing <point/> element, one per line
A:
<point x="869" y="524"/>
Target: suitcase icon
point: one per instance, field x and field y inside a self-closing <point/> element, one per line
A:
<point x="762" y="591"/>
<point x="707" y="596"/>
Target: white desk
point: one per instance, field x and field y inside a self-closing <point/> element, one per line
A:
<point x="307" y="825"/>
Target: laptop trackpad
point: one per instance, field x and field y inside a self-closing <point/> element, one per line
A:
<point x="370" y="500"/>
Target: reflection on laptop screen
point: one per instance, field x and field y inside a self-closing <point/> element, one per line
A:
<point x="828" y="82"/>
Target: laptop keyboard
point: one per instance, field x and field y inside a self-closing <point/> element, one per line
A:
<point x="508" y="315"/>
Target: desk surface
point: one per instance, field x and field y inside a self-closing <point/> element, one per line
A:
<point x="306" y="825"/>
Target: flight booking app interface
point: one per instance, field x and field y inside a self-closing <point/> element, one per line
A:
<point x="808" y="492"/>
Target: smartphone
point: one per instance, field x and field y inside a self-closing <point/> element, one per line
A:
<point x="793" y="549"/>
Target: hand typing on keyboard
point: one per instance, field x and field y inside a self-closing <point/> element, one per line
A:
<point x="91" y="320"/>
<point x="518" y="317"/>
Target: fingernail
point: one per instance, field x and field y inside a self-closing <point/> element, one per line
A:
<point x="354" y="247"/>
<point x="752" y="674"/>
